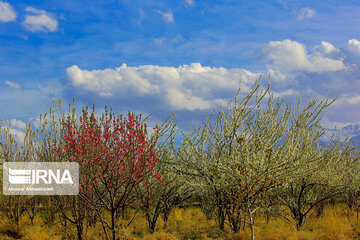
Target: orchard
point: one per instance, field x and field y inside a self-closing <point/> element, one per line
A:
<point x="255" y="161"/>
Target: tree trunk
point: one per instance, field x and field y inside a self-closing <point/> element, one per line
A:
<point x="252" y="231"/>
<point x="299" y="223"/>
<point x="234" y="219"/>
<point x="267" y="218"/>
<point x="152" y="220"/>
<point x="113" y="229"/>
<point x="166" y="217"/>
<point x="17" y="223"/>
<point x="79" y="229"/>
<point x="320" y="209"/>
<point x="65" y="226"/>
<point x="17" y="218"/>
<point x="221" y="218"/>
<point x="151" y="227"/>
<point x="251" y="223"/>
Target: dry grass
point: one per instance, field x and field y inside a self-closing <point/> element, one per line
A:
<point x="190" y="223"/>
<point x="333" y="225"/>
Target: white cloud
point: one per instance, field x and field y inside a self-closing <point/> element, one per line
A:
<point x="18" y="124"/>
<point x="168" y="17"/>
<point x="344" y="110"/>
<point x="288" y="92"/>
<point x="353" y="46"/>
<point x="35" y="121"/>
<point x="18" y="135"/>
<point x="306" y="13"/>
<point x="7" y="13"/>
<point x="325" y="68"/>
<point x="13" y="84"/>
<point x="355" y="99"/>
<point x="17" y="130"/>
<point x="182" y="100"/>
<point x="190" y="87"/>
<point x="277" y="76"/>
<point x="326" y="48"/>
<point x="292" y="56"/>
<point x="39" y="21"/>
<point x="190" y="2"/>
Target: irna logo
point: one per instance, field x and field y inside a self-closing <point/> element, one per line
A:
<point x="22" y="176"/>
<point x="40" y="178"/>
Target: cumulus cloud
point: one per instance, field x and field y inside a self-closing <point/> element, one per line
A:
<point x="13" y="84"/>
<point x="292" y="56"/>
<point x="18" y="134"/>
<point x="353" y="46"/>
<point x="7" y="13"/>
<point x="39" y="21"/>
<point x="306" y="13"/>
<point x="277" y="76"/>
<point x="35" y="121"/>
<point x="326" y="48"/>
<point x="325" y="69"/>
<point x="17" y="130"/>
<point x="183" y="100"/>
<point x="187" y="87"/>
<point x="18" y="124"/>
<point x="168" y="17"/>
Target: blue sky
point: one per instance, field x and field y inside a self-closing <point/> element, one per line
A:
<point x="185" y="56"/>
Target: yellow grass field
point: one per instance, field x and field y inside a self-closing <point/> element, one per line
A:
<point x="190" y="223"/>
